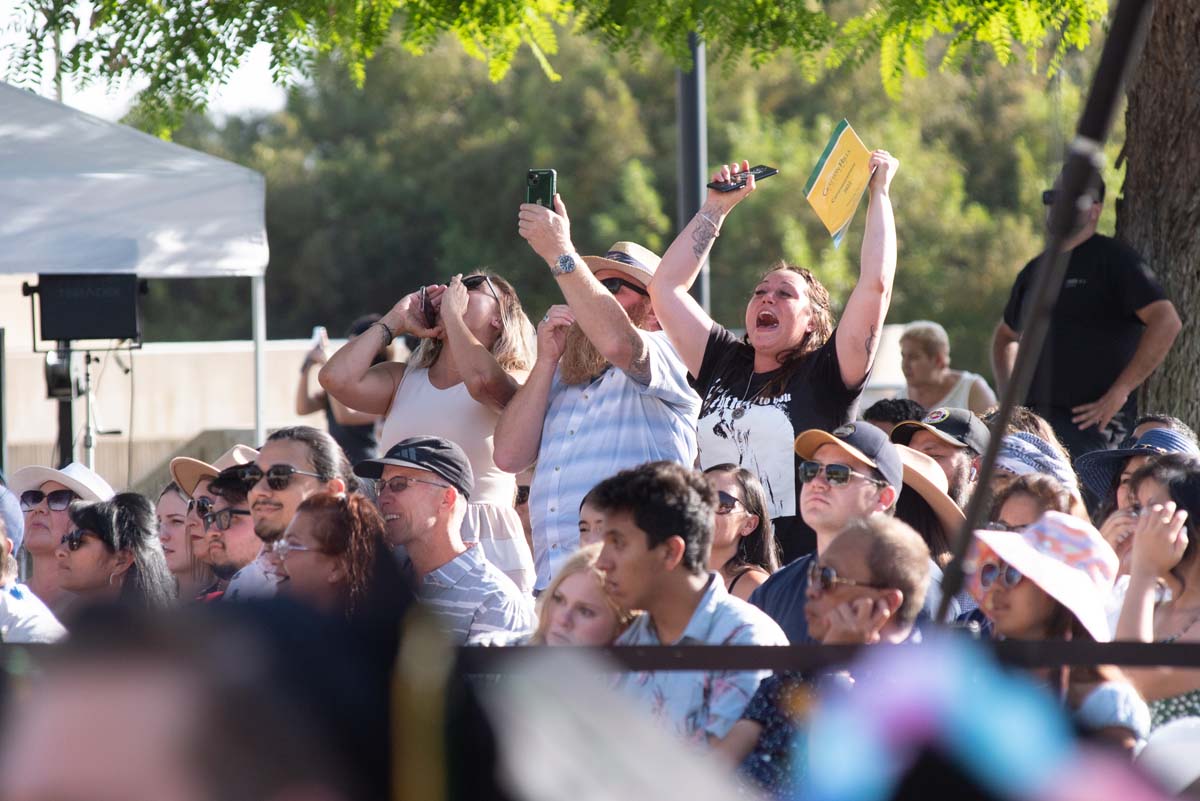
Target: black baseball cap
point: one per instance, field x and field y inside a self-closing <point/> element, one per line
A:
<point x="424" y="452"/>
<point x="957" y="427"/>
<point x="862" y="441"/>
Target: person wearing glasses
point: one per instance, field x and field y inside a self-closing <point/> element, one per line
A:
<point x="794" y="369"/>
<point x="853" y="473"/>
<point x="113" y="554"/>
<point x="1111" y="328"/>
<point x="192" y="576"/>
<point x="424" y="485"/>
<point x="232" y="545"/>
<point x="867" y="587"/>
<point x="1050" y="580"/>
<point x="193" y="477"/>
<point x="46" y="496"/>
<point x="608" y="391"/>
<point x="327" y="555"/>
<point x="743" y="551"/>
<point x="476" y="349"/>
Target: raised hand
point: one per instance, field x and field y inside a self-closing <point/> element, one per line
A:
<point x="454" y="299"/>
<point x="885" y="166"/>
<point x="552" y="333"/>
<point x="723" y="202"/>
<point x="1159" y="539"/>
<point x="547" y="232"/>
<point x="408" y="316"/>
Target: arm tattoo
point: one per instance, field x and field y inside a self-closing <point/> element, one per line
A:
<point x="869" y="345"/>
<point x="639" y="365"/>
<point x="702" y="237"/>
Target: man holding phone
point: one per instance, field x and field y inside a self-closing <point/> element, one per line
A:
<point x="608" y="390"/>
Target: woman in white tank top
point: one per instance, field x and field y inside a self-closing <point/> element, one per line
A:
<point x="925" y="360"/>
<point x="471" y="360"/>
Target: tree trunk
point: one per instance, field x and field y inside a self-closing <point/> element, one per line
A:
<point x="1159" y="213"/>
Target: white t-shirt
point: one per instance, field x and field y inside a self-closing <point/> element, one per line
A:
<point x="255" y="580"/>
<point x="24" y="618"/>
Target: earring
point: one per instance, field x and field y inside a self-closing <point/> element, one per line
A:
<point x="111" y="576"/>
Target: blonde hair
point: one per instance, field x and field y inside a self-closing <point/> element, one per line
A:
<point x="582" y="561"/>
<point x="930" y="336"/>
<point x="513" y="349"/>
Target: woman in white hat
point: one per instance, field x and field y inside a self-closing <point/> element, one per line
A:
<point x="46" y="495"/>
<point x="794" y="370"/>
<point x="1050" y="581"/>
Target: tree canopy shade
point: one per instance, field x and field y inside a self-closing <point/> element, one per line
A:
<point x="186" y="48"/>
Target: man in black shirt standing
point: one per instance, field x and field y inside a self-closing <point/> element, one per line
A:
<point x="1111" y="327"/>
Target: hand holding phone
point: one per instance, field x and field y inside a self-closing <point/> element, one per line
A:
<point x="738" y="180"/>
<point x="428" y="312"/>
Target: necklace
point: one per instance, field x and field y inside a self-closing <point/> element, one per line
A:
<point x="740" y="411"/>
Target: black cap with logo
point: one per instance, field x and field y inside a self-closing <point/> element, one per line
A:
<point x="424" y="452"/>
<point x="957" y="427"/>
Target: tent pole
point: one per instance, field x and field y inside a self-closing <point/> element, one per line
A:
<point x="258" y="303"/>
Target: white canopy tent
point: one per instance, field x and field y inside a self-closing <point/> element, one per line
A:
<point x="82" y="195"/>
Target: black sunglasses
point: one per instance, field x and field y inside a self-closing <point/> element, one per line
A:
<point x="397" y="484"/>
<point x="825" y="578"/>
<point x="476" y="281"/>
<point x="223" y="519"/>
<point x="201" y="506"/>
<point x="726" y="502"/>
<point x="614" y="285"/>
<point x="278" y="476"/>
<point x="838" y="475"/>
<point x="1006" y="574"/>
<point x="74" y="539"/>
<point x="58" y="500"/>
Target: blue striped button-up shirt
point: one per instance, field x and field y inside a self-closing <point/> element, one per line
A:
<point x="469" y="596"/>
<point x="591" y="432"/>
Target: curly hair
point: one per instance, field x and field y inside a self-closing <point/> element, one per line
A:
<point x="513" y="349"/>
<point x="1046" y="491"/>
<point x="350" y="528"/>
<point x="126" y="522"/>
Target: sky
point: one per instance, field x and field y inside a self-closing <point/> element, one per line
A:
<point x="249" y="89"/>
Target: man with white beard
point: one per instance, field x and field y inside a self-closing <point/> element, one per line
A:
<point x="608" y="391"/>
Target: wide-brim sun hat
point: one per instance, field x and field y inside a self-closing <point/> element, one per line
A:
<point x="1098" y="470"/>
<point x="85" y="483"/>
<point x="188" y="472"/>
<point x="1065" y="557"/>
<point x="630" y="258"/>
<point x="923" y="475"/>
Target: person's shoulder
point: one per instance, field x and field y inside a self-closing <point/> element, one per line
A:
<point x="787" y="576"/>
<point x="746" y="624"/>
<point x="637" y="632"/>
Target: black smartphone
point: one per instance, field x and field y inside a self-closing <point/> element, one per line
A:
<point x="427" y="309"/>
<point x="739" y="180"/>
<point x="540" y="187"/>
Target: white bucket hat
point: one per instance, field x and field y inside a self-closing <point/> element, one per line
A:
<point x="85" y="483"/>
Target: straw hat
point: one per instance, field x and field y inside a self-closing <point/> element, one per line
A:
<point x="1066" y="558"/>
<point x="189" y="472"/>
<point x="85" y="483"/>
<point x="627" y="257"/>
<point x="926" y="477"/>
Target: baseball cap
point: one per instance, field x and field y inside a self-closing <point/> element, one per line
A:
<point x="957" y="427"/>
<point x="861" y="441"/>
<point x="424" y="452"/>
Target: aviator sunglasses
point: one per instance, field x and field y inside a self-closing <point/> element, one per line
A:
<point x="838" y="475"/>
<point x="726" y="502"/>
<point x="201" y="506"/>
<point x="278" y="476"/>
<point x="58" y="500"/>
<point x="825" y="578"/>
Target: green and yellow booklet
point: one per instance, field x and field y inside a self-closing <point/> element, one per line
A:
<point x="837" y="183"/>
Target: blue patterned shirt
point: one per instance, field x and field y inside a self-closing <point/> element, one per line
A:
<point x="693" y="704"/>
<point x="469" y="596"/>
<point x="592" y="432"/>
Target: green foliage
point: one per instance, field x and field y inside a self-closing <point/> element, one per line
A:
<point x="185" y="48"/>
<point x="417" y="175"/>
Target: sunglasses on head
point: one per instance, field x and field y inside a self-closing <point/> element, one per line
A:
<point x="278" y="476"/>
<point x="838" y="475"/>
<point x="73" y="539"/>
<point x="726" y="502"/>
<point x="201" y="506"/>
<point x="399" y="484"/>
<point x="825" y="578"/>
<point x="614" y="285"/>
<point x="1006" y="574"/>
<point x="223" y="519"/>
<point x="58" y="500"/>
<point x="476" y="281"/>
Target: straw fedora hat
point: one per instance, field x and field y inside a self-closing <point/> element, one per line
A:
<point x="630" y="258"/>
<point x="189" y="472"/>
<point x="924" y="476"/>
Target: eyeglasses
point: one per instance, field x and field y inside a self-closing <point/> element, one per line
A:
<point x="223" y="519"/>
<point x="278" y="476"/>
<point x="522" y="495"/>
<point x="614" y="285"/>
<point x="726" y="502"/>
<point x="201" y="506"/>
<point x="476" y="281"/>
<point x="282" y="548"/>
<point x="74" y="539"/>
<point x="58" y="500"/>
<point x="825" y="578"/>
<point x="838" y="475"/>
<point x="401" y="483"/>
<point x="990" y="572"/>
<point x="1000" y="525"/>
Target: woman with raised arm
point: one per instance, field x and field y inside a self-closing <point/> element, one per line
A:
<point x="473" y="355"/>
<point x="793" y="370"/>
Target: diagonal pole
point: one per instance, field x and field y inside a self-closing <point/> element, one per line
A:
<point x="1084" y="158"/>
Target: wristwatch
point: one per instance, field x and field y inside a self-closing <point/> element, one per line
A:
<point x="565" y="264"/>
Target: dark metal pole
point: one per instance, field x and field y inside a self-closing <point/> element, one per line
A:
<point x="66" y="417"/>
<point x="691" y="114"/>
<point x="1084" y="158"/>
<point x="3" y="410"/>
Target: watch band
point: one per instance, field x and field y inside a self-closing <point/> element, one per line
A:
<point x="564" y="264"/>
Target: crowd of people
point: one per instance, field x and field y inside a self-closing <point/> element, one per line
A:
<point x="689" y="486"/>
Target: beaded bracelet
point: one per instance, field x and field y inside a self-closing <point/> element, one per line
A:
<point x="388" y="334"/>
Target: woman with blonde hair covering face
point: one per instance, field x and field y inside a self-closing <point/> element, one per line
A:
<point x="575" y="609"/>
<point x="474" y="353"/>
